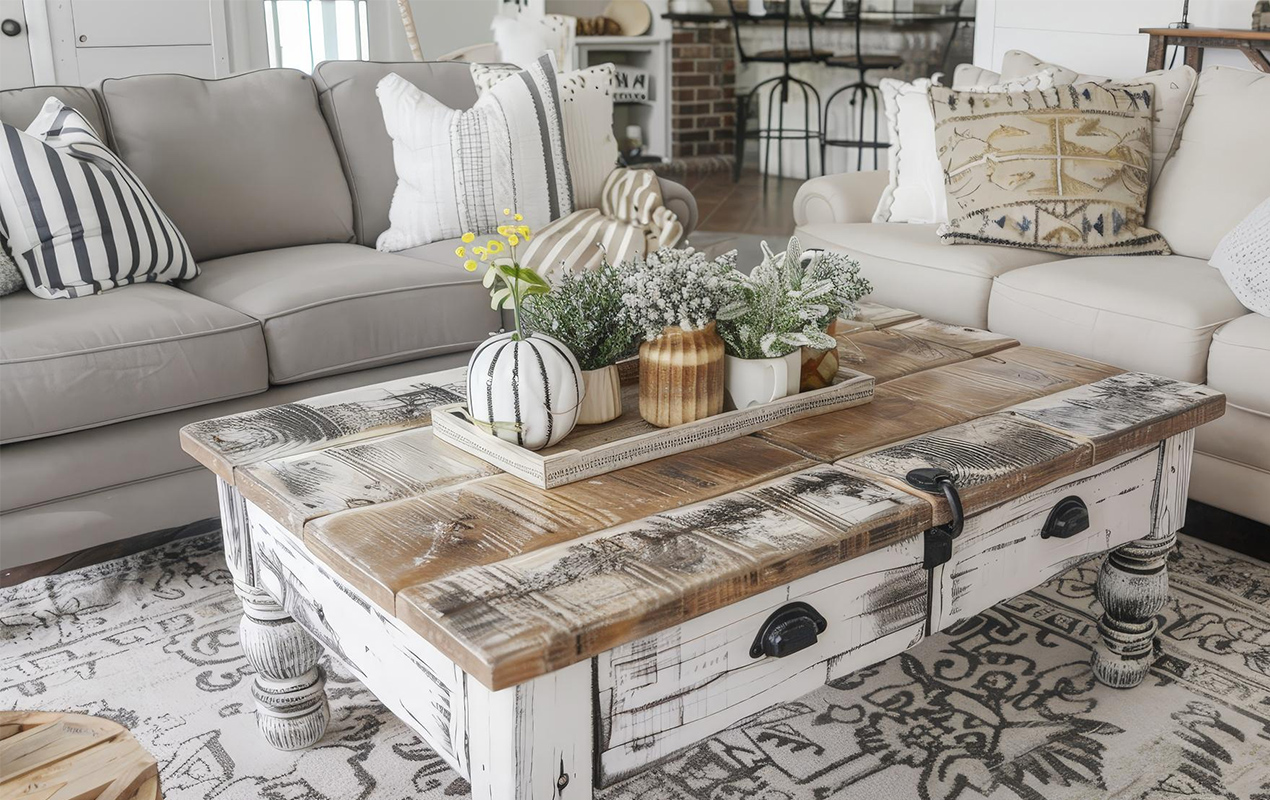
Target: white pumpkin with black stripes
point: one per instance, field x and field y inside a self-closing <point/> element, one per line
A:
<point x="524" y="389"/>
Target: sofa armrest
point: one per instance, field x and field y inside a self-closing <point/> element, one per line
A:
<point x="845" y="197"/>
<point x="678" y="199"/>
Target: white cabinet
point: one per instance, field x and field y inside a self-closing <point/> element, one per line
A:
<point x="15" y="49"/>
<point x="651" y="55"/>
<point x="95" y="39"/>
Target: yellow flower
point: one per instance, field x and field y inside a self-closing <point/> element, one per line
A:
<point x="469" y="237"/>
<point x="524" y="231"/>
<point x="513" y="240"/>
<point x="469" y="265"/>
<point x="495" y="246"/>
<point x="506" y="211"/>
<point x="518" y="218"/>
<point x="479" y="250"/>
<point x="460" y="251"/>
<point x="506" y="230"/>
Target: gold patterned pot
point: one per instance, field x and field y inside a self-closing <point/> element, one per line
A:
<point x="681" y="376"/>
<point x="602" y="400"/>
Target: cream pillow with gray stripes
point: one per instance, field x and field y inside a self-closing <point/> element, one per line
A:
<point x="457" y="170"/>
<point x="632" y="220"/>
<point x="586" y="105"/>
<point x="77" y="220"/>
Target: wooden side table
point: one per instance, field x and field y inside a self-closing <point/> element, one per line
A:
<point x="1194" y="40"/>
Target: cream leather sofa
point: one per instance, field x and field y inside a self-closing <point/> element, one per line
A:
<point x="1171" y="315"/>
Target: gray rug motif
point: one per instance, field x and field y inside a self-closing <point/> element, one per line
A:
<point x="1002" y="706"/>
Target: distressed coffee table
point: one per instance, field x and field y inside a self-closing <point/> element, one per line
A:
<point x="548" y="641"/>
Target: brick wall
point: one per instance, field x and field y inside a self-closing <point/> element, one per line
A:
<point x="703" y="81"/>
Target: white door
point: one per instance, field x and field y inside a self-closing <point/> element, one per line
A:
<point x="15" y="47"/>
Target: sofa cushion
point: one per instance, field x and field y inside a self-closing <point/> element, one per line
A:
<point x="1239" y="362"/>
<point x="19" y="107"/>
<point x="1220" y="169"/>
<point x="1150" y="313"/>
<point x="240" y="164"/>
<point x="910" y="268"/>
<point x="347" y="93"/>
<point x="131" y="352"/>
<point x="336" y="308"/>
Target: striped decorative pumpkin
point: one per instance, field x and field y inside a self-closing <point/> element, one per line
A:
<point x="526" y="391"/>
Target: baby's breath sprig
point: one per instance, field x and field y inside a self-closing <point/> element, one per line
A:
<point x="509" y="283"/>
<point x="676" y="287"/>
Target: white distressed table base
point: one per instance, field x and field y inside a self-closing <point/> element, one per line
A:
<point x="538" y="739"/>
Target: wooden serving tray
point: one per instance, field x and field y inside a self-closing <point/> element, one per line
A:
<point x="591" y="450"/>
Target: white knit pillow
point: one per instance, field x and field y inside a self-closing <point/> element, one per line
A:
<point x="1243" y="256"/>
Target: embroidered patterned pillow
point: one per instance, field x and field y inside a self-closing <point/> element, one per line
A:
<point x="1065" y="170"/>
<point x="915" y="187"/>
<point x="457" y="170"/>
<point x="77" y="220"/>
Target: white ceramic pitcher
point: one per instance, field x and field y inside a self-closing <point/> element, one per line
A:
<point x="754" y="381"/>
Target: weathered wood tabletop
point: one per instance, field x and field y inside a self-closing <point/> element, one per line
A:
<point x="512" y="582"/>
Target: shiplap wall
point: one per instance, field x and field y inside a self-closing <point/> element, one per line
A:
<point x="1097" y="37"/>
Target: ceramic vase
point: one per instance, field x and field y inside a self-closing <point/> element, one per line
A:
<point x="681" y="376"/>
<point x="526" y="390"/>
<point x="755" y="381"/>
<point x="601" y="395"/>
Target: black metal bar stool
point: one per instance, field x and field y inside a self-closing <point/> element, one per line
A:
<point x="861" y="91"/>
<point x="778" y="90"/>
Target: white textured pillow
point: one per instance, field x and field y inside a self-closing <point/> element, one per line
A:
<point x="523" y="37"/>
<point x="1174" y="90"/>
<point x="915" y="189"/>
<point x="1243" y="256"/>
<point x="1018" y="63"/>
<point x="457" y="170"/>
<point x="586" y="100"/>
<point x="10" y="278"/>
<point x="966" y="76"/>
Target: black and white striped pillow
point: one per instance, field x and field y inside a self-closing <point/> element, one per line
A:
<point x="77" y="219"/>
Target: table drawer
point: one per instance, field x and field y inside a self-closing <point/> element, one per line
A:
<point x="1002" y="553"/>
<point x="668" y="691"/>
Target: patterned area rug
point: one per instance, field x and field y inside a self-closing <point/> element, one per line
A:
<point x="1003" y="706"/>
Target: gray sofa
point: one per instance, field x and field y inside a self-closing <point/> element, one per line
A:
<point x="281" y="183"/>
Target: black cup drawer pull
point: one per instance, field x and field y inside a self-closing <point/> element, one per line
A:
<point x="789" y="629"/>
<point x="1066" y="519"/>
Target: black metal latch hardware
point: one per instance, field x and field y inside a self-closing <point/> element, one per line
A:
<point x="939" y="539"/>
<point x="790" y="628"/>
<point x="1068" y="518"/>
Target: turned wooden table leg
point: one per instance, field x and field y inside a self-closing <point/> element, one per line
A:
<point x="289" y="687"/>
<point x="1133" y="583"/>
<point x="1132" y="587"/>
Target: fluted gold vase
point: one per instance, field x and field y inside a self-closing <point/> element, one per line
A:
<point x="681" y="376"/>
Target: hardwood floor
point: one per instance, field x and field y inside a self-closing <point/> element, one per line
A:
<point x="743" y="207"/>
<point x="104" y="552"/>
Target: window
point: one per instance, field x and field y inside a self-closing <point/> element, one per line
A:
<point x="304" y="33"/>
